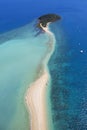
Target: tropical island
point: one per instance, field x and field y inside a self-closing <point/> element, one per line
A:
<point x="45" y="19"/>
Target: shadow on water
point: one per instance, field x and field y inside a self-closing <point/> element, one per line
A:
<point x="68" y="86"/>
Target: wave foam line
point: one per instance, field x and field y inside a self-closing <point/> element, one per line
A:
<point x="36" y="93"/>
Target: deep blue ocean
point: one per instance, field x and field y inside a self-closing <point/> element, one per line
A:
<point x="68" y="65"/>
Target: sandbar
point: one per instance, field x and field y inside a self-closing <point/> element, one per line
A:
<point x="36" y="99"/>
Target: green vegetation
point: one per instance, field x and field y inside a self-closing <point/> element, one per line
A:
<point x="48" y="18"/>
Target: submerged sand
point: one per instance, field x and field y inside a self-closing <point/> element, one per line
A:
<point x="36" y="99"/>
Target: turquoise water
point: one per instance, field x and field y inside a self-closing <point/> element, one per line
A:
<point x="21" y="54"/>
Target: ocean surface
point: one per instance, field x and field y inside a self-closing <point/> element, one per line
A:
<point x="22" y="49"/>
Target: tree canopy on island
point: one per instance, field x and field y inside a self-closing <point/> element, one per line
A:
<point x="48" y="18"/>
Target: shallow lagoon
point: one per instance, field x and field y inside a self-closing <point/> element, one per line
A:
<point x="20" y="58"/>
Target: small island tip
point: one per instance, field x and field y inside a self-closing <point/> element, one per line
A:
<point x="47" y="18"/>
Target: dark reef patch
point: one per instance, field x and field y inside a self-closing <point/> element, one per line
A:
<point x="68" y="86"/>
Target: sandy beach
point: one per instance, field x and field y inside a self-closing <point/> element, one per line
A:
<point x="36" y="98"/>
